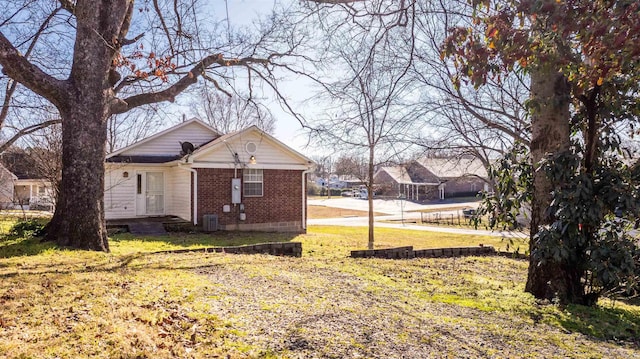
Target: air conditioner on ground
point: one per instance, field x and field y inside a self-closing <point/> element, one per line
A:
<point x="210" y="222"/>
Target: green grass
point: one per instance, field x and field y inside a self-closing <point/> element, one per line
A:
<point x="132" y="303"/>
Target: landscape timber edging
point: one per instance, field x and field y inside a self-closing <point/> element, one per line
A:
<point x="450" y="252"/>
<point x="287" y="249"/>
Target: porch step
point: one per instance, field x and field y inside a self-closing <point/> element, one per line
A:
<point x="147" y="228"/>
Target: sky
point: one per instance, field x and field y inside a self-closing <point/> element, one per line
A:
<point x="288" y="129"/>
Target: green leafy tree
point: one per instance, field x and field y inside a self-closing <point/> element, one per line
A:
<point x="582" y="60"/>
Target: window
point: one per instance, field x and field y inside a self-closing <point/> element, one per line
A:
<point x="252" y="182"/>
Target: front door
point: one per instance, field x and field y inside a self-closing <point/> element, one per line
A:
<point x="150" y="193"/>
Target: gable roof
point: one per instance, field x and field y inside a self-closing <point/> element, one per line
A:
<point x="224" y="140"/>
<point x="160" y="134"/>
<point x="21" y="164"/>
<point x="5" y="171"/>
<point x="400" y="175"/>
<point x="397" y="173"/>
<point x="454" y="167"/>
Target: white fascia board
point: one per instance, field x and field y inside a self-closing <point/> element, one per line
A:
<point x="420" y="183"/>
<point x="264" y="166"/>
<point x="136" y="164"/>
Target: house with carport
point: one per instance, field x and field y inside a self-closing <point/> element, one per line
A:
<point x="246" y="180"/>
<point x="433" y="178"/>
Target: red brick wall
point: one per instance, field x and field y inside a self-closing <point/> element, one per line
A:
<point x="281" y="200"/>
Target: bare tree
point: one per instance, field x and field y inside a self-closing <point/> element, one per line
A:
<point x="368" y="116"/>
<point x="455" y="117"/>
<point x="324" y="165"/>
<point x="45" y="152"/>
<point x="481" y="122"/>
<point x="230" y="113"/>
<point x="349" y="165"/>
<point x="129" y="127"/>
<point x="20" y="111"/>
<point x="104" y="71"/>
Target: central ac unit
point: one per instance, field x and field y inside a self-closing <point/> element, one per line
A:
<point x="210" y="222"/>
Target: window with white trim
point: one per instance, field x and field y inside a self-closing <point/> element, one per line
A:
<point x="253" y="180"/>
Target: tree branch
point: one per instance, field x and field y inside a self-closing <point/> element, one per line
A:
<point x="31" y="76"/>
<point x="164" y="25"/>
<point x="26" y="131"/>
<point x="335" y="2"/>
<point x="11" y="88"/>
<point x="68" y="5"/>
<point x="169" y="94"/>
<point x="126" y="42"/>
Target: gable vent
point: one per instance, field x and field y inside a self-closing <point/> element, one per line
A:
<point x="251" y="147"/>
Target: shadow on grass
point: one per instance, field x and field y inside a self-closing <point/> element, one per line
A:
<point x="78" y="266"/>
<point x="33" y="246"/>
<point x="16" y="247"/>
<point x="215" y="239"/>
<point x="602" y="322"/>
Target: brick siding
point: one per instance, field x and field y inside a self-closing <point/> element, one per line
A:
<point x="279" y="209"/>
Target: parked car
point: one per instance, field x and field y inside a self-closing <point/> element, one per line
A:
<point x="468" y="212"/>
<point x="364" y="194"/>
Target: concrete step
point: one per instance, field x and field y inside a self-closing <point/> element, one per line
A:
<point x="147" y="228"/>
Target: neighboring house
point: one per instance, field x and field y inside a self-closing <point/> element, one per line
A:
<point x="36" y="193"/>
<point x="29" y="188"/>
<point x="321" y="182"/>
<point x="350" y="182"/>
<point x="7" y="179"/>
<point x="433" y="178"/>
<point x="246" y="180"/>
<point x="339" y="182"/>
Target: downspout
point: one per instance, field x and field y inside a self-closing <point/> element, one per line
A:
<point x="195" y="192"/>
<point x="304" y="198"/>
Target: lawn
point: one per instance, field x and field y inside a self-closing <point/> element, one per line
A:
<point x="315" y="212"/>
<point x="132" y="303"/>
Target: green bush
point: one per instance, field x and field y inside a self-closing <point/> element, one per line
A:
<point x="313" y="189"/>
<point x="27" y="228"/>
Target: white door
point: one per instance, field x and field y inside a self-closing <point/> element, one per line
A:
<point x="150" y="193"/>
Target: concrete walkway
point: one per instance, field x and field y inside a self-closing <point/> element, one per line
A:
<point x="397" y="211"/>
<point x="388" y="206"/>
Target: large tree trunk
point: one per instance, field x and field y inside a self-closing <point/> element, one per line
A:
<point x="550" y="134"/>
<point x="78" y="220"/>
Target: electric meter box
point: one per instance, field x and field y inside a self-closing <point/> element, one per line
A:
<point x="235" y="190"/>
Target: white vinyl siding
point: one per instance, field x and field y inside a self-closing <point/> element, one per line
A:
<point x="178" y="192"/>
<point x="253" y="182"/>
<point x="267" y="152"/>
<point x="119" y="194"/>
<point x="169" y="143"/>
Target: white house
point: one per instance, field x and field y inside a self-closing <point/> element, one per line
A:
<point x="246" y="180"/>
<point x="7" y="180"/>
